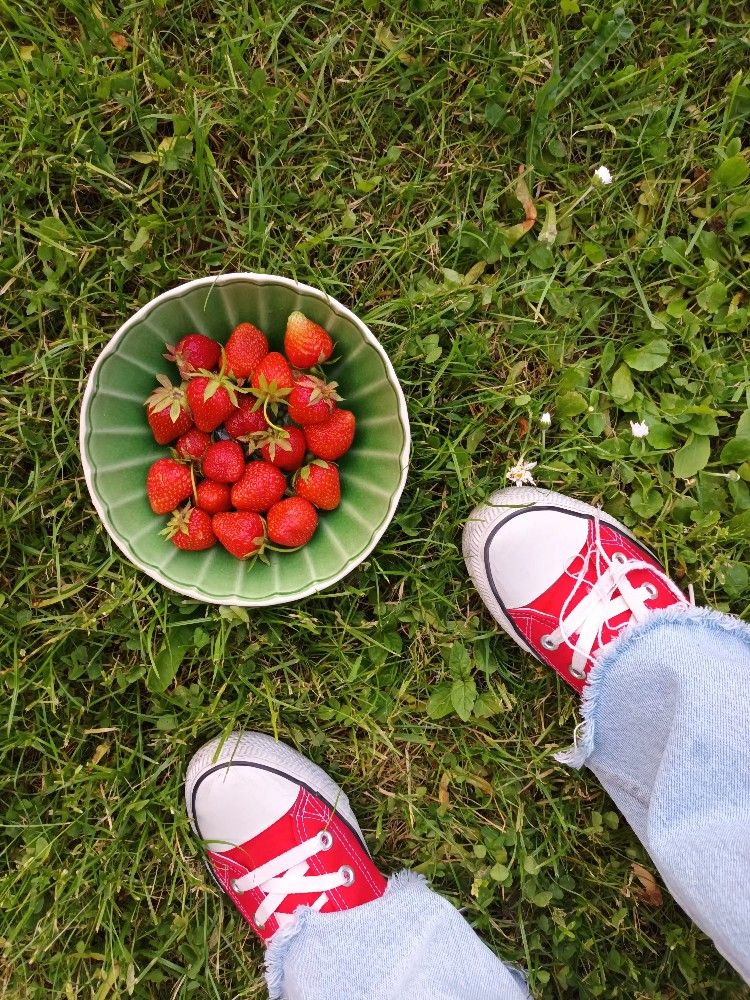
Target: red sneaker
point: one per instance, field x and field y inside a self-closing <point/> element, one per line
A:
<point x="560" y="576"/>
<point x="279" y="832"/>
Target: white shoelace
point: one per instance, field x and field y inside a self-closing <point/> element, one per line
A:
<point x="291" y="866"/>
<point x="594" y="611"/>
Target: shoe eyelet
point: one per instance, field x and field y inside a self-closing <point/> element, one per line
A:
<point x="347" y="874"/>
<point x="651" y="591"/>
<point x="326" y="840"/>
<point x="619" y="557"/>
<point x="548" y="643"/>
<point x="233" y="885"/>
<point x="577" y="673"/>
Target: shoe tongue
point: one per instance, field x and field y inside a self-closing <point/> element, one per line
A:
<point x="276" y="839"/>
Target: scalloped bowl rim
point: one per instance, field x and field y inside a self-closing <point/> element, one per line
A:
<point x="335" y="306"/>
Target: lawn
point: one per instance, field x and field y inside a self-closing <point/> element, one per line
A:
<point x="371" y="149"/>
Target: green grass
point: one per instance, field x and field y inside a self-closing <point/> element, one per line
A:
<point x="370" y="149"/>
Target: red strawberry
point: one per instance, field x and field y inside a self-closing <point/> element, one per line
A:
<point x="246" y="348"/>
<point x="262" y="485"/>
<point x="213" y="497"/>
<point x="332" y="439"/>
<point x="167" y="411"/>
<point x="193" y="352"/>
<point x="168" y="483"/>
<point x="192" y="445"/>
<point x="306" y="343"/>
<point x="224" y="461"/>
<point x="245" y="420"/>
<point x="285" y="448"/>
<point x="240" y="532"/>
<point x="273" y="379"/>
<point x="319" y="483"/>
<point x="292" y="522"/>
<point x="312" y="401"/>
<point x="191" y="529"/>
<point x="211" y="401"/>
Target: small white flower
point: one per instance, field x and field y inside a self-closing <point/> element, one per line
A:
<point x="602" y="175"/>
<point x="638" y="430"/>
<point x="546" y="419"/>
<point x="520" y="473"/>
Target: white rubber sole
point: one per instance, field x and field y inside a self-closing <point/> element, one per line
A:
<point x="264" y="751"/>
<point x="487" y="516"/>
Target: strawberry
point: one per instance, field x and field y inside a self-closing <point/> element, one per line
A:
<point x="292" y="522"/>
<point x="246" y="420"/>
<point x="283" y="447"/>
<point x="213" y="497"/>
<point x="212" y="399"/>
<point x="193" y="352"/>
<point x="306" y="343"/>
<point x="190" y="529"/>
<point x="167" y="411"/>
<point x="224" y="462"/>
<point x="319" y="483"/>
<point x="273" y="381"/>
<point x="262" y="485"/>
<point x="332" y="439"/>
<point x="192" y="445"/>
<point x="241" y="532"/>
<point x="246" y="348"/>
<point x="168" y="483"/>
<point x="312" y="401"/>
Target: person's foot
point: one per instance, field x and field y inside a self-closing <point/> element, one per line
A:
<point x="279" y="833"/>
<point x="560" y="576"/>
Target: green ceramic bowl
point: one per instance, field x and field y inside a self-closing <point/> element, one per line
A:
<point x="117" y="447"/>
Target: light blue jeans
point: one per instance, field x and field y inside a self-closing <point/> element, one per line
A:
<point x="667" y="731"/>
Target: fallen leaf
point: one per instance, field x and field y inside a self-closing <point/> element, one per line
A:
<point x="119" y="41"/>
<point x="522" y="426"/>
<point x="514" y="233"/>
<point x="443" y="797"/>
<point x="651" y="893"/>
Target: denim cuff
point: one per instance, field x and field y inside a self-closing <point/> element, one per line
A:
<point x="682" y="616"/>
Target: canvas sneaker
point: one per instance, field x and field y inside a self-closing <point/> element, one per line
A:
<point x="279" y="833"/>
<point x="561" y="577"/>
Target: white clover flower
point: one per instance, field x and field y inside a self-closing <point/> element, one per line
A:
<point x="638" y="430"/>
<point x="602" y="175"/>
<point x="520" y="473"/>
<point x="546" y="419"/>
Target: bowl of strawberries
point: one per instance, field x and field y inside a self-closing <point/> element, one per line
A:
<point x="244" y="439"/>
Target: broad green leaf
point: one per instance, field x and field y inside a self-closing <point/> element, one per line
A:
<point x="743" y="425"/>
<point x="646" y="503"/>
<point x="736" y="451"/>
<point x="622" y="386"/>
<point x="740" y="524"/>
<point x="649" y="357"/>
<point x="494" y="114"/>
<point x="712" y="297"/>
<point x="459" y="660"/>
<point x="440" y="703"/>
<point x="673" y="251"/>
<point x="570" y="404"/>
<point x="734" y="578"/>
<point x="615" y="29"/>
<point x="463" y="696"/>
<point x="732" y="172"/>
<point x="692" y="457"/>
<point x="487" y="705"/>
<point x="660" y="436"/>
<point x="166" y="664"/>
